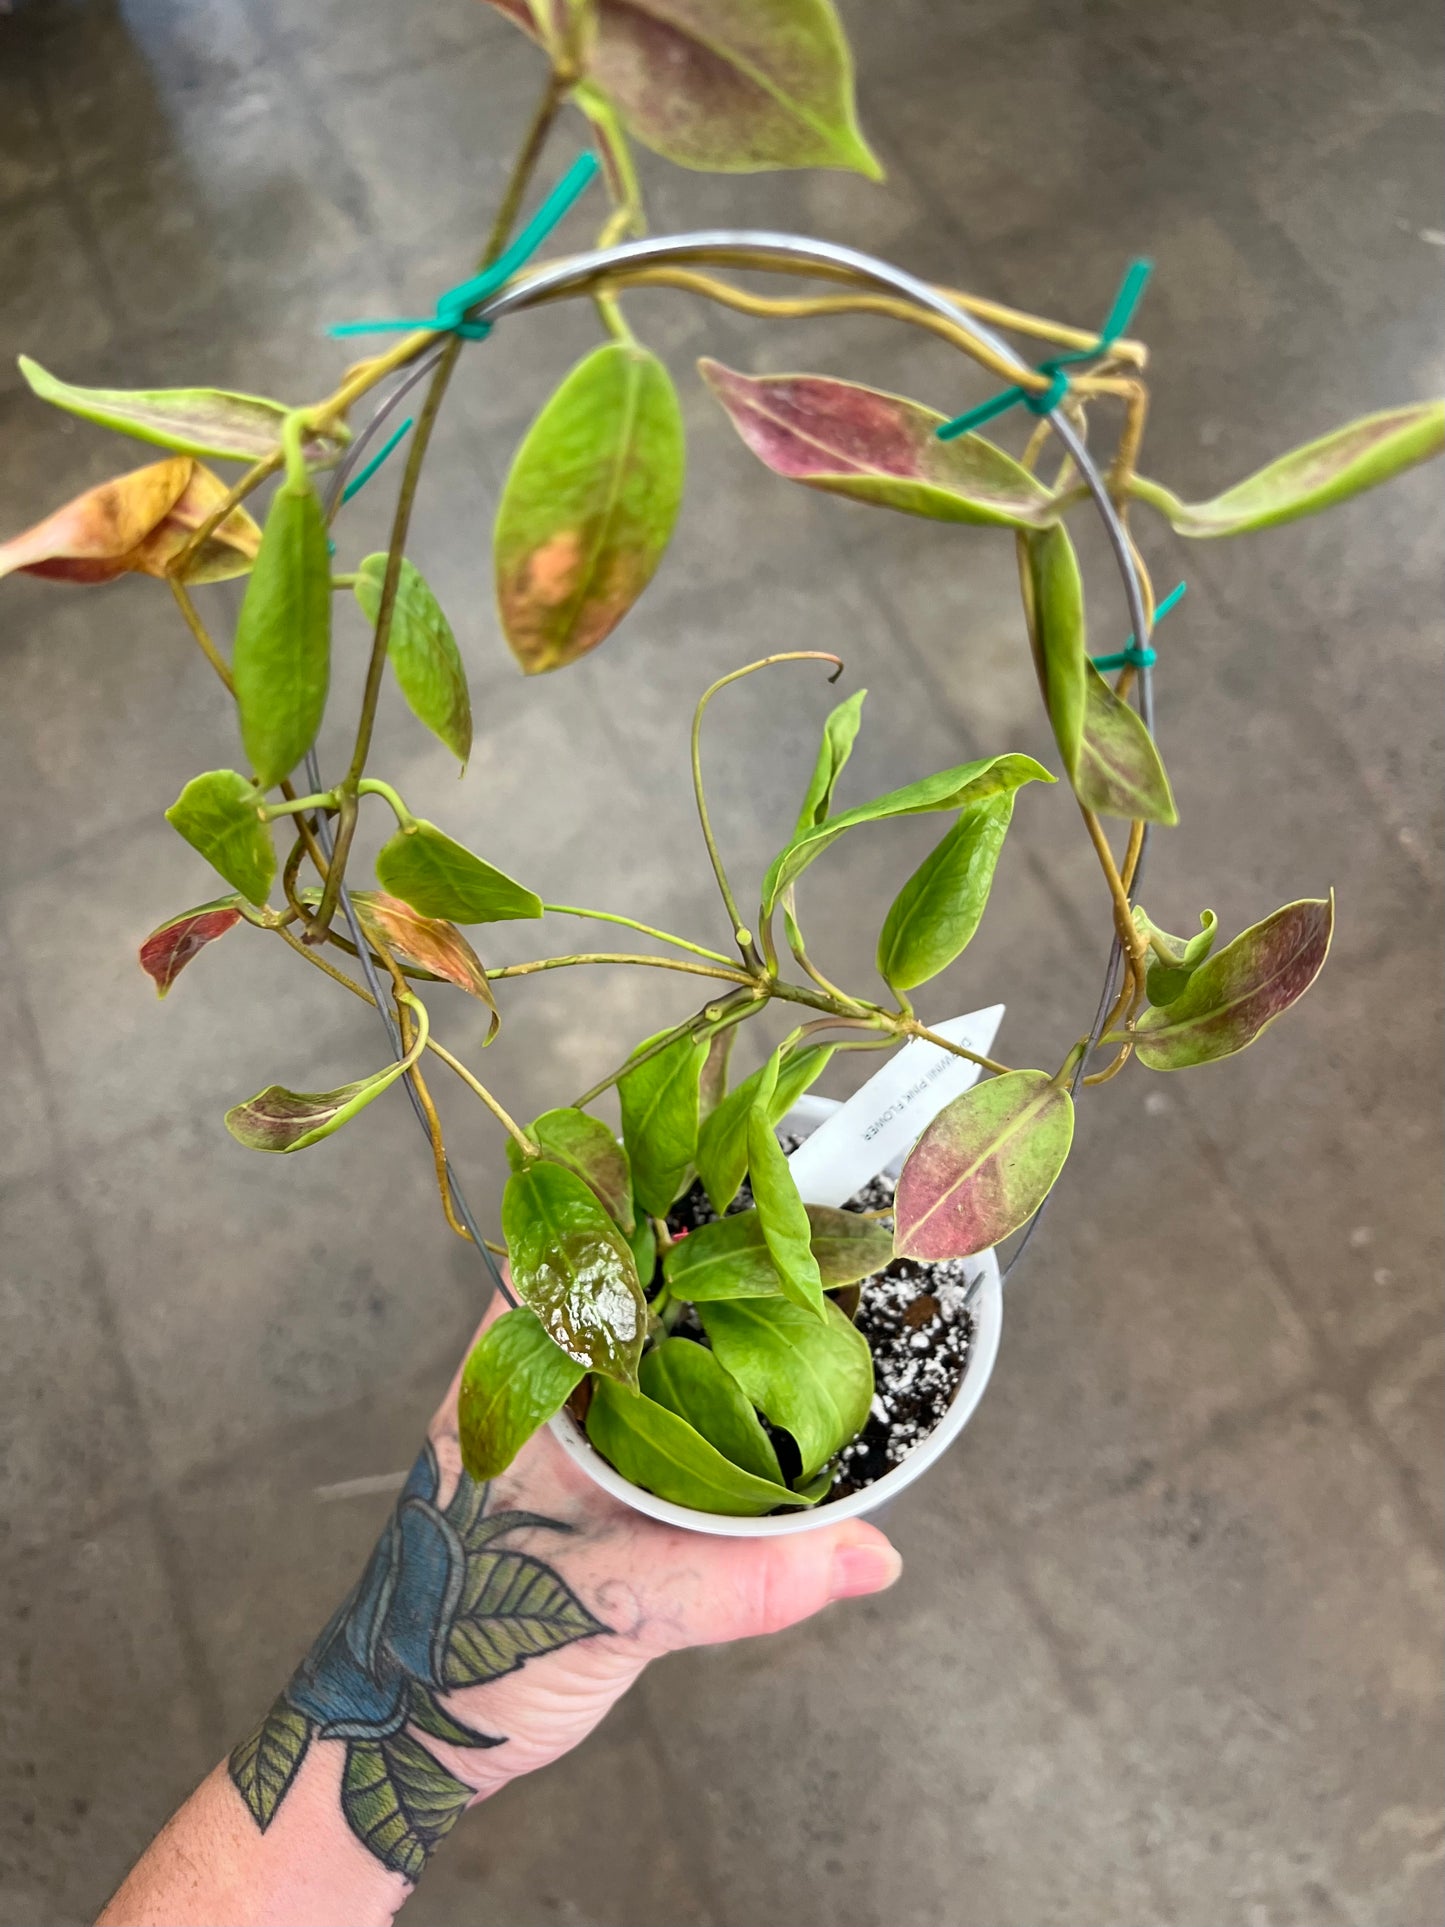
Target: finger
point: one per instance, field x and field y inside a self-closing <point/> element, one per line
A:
<point x="752" y="1586"/>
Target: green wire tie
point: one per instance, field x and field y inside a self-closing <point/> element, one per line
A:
<point x="1131" y="290"/>
<point x="1131" y="655"/>
<point x="451" y="315"/>
<point x="359" y="482"/>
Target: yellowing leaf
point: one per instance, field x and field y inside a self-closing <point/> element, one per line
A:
<point x="983" y="1166"/>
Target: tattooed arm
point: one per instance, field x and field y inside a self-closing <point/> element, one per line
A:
<point x="491" y="1630"/>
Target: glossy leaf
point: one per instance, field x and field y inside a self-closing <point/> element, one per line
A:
<point x="839" y="734"/>
<point x="1330" y="470"/>
<point x="786" y="1229"/>
<point x="1173" y="960"/>
<point x="219" y="814"/>
<point x="722" y="1145"/>
<point x="423" y="654"/>
<point x="264" y="1766"/>
<point x="757" y="84"/>
<point x="1233" y="996"/>
<point x="983" y="1166"/>
<point x="688" y="1380"/>
<point x="585" y="1145"/>
<point x="644" y="1247"/>
<point x="282" y="656"/>
<point x="662" y="1453"/>
<point x="588" y="507"/>
<point x="280" y="1120"/>
<point x="514" y="1380"/>
<point x="430" y="943"/>
<point x="878" y="448"/>
<point x="441" y="878"/>
<point x="193" y="421"/>
<point x="730" y="1257"/>
<point x="400" y="1801"/>
<point x="660" y="1120"/>
<point x="951" y="789"/>
<point x="933" y="917"/>
<point x="169" y="948"/>
<point x="136" y="524"/>
<point x="1119" y="771"/>
<point x="813" y="1377"/>
<point x="574" y="1268"/>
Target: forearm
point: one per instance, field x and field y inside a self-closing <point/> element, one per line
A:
<point x="491" y="1630"/>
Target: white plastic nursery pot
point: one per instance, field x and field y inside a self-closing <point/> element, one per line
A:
<point x="987" y="1312"/>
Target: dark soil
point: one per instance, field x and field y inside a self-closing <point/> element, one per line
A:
<point x="914" y="1319"/>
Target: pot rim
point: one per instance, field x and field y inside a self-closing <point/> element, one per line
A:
<point x="987" y="1308"/>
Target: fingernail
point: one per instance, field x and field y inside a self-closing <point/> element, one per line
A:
<point x="860" y="1569"/>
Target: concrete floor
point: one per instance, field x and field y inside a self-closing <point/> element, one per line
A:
<point x="1167" y="1645"/>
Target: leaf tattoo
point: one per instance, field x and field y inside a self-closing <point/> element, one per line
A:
<point x="439" y="1606"/>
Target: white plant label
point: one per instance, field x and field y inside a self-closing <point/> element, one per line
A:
<point x="880" y="1123"/>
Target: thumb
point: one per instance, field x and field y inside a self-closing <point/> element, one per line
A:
<point x="754" y="1586"/>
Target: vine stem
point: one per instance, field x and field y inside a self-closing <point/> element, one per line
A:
<point x="631" y="923"/>
<point x="728" y="975"/>
<point x="526" y="162"/>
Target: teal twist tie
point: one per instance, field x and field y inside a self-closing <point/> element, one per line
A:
<point x="1131" y="655"/>
<point x="1131" y="290"/>
<point x="453" y="310"/>
<point x="359" y="482"/>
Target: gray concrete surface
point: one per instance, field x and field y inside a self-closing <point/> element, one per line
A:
<point x="1167" y="1649"/>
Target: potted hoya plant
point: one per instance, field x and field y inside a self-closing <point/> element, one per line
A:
<point x="738" y="1329"/>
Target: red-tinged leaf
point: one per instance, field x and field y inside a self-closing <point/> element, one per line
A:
<point x="875" y="447"/>
<point x="1119" y="770"/>
<point x="731" y="89"/>
<point x="167" y="950"/>
<point x="983" y="1167"/>
<point x="280" y="1120"/>
<point x="229" y="550"/>
<point x="92" y="538"/>
<point x="428" y="942"/>
<point x="1233" y="996"/>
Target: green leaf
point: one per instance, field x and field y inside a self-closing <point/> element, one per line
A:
<point x="730" y="1257"/>
<point x="426" y="1711"/>
<point x="423" y="653"/>
<point x="572" y="1265"/>
<point x="756" y="84"/>
<point x="1230" y="998"/>
<point x="512" y="1609"/>
<point x="514" y="1380"/>
<point x="1054" y="605"/>
<point x="877" y="448"/>
<point x="660" y="1120"/>
<point x="264" y="1766"/>
<point x="934" y="915"/>
<point x="950" y="789"/>
<point x="400" y="1801"/>
<point x="588" y="507"/>
<point x="784" y="1220"/>
<point x="839" y="734"/>
<point x="425" y="868"/>
<point x="1120" y="772"/>
<point x="688" y="1380"/>
<point x="1314" y="477"/>
<point x="662" y="1453"/>
<point x="644" y="1249"/>
<point x="712" y="1082"/>
<point x="168" y="949"/>
<point x="983" y="1166"/>
<point x="584" y="1145"/>
<point x="282" y="657"/>
<point x="193" y="421"/>
<point x="280" y="1120"/>
<point x="219" y="814"/>
<point x="812" y="1377"/>
<point x="1175" y="959"/>
<point x="722" y="1145"/>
